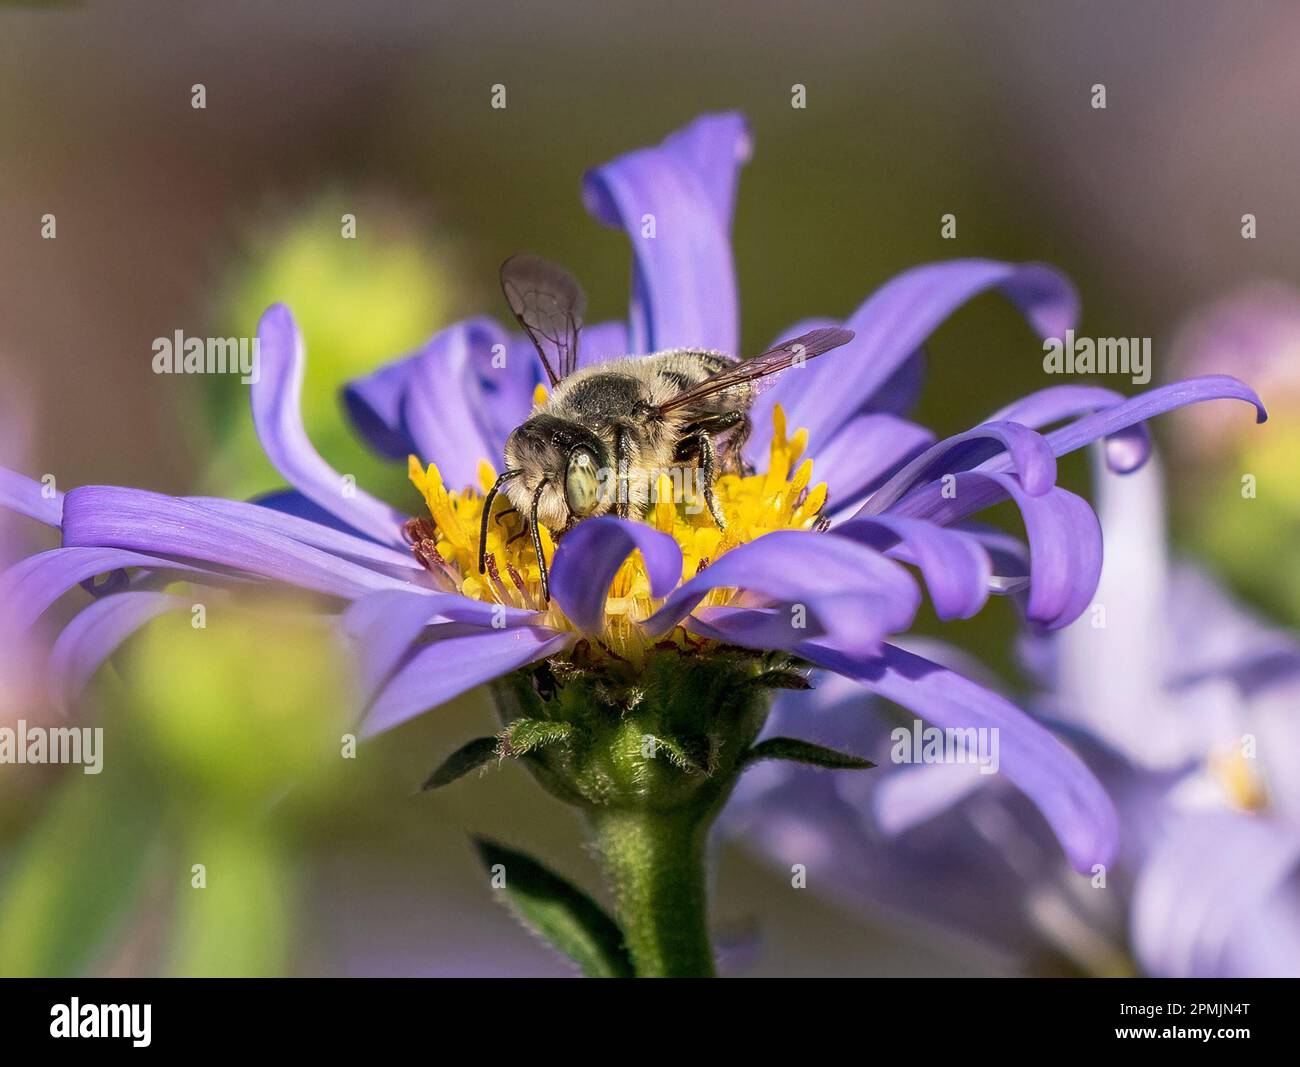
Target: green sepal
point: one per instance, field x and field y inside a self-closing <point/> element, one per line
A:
<point x="782" y="679"/>
<point x="791" y="748"/>
<point x="524" y="735"/>
<point x="468" y="757"/>
<point x="678" y="752"/>
<point x="560" y="912"/>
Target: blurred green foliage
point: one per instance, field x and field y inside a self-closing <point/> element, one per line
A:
<point x="178" y="858"/>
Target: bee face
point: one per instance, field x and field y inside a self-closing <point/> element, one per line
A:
<point x="564" y="455"/>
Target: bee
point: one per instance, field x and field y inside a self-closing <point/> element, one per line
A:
<point x="599" y="441"/>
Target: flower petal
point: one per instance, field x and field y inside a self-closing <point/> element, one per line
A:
<point x="467" y="390"/>
<point x="1064" y="790"/>
<point x="277" y="415"/>
<point x="908" y="796"/>
<point x="1149" y="404"/>
<point x="1065" y="545"/>
<point x="96" y="633"/>
<point x="27" y="497"/>
<point x="956" y="567"/>
<point x="384" y="626"/>
<point x="1126" y="450"/>
<point x="894" y="321"/>
<point x="489" y="389"/>
<point x="847" y="591"/>
<point x="1210" y="875"/>
<point x="589" y="556"/>
<point x="863" y="452"/>
<point x="1027" y="453"/>
<point x="798" y="396"/>
<point x="33" y="584"/>
<point x="111" y="517"/>
<point x="458" y="659"/>
<point x="683" y="278"/>
<point x="331" y="538"/>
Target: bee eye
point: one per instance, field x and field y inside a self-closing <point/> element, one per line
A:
<point x="581" y="484"/>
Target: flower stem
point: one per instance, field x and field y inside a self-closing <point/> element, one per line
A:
<point x="655" y="864"/>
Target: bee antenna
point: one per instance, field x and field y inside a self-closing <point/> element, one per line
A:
<point x="537" y="542"/>
<point x="487" y="510"/>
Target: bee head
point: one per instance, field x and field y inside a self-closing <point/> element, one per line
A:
<point x="568" y="456"/>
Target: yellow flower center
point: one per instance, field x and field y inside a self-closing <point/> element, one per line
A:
<point x="776" y="499"/>
<point x="1242" y="784"/>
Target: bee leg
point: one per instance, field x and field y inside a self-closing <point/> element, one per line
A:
<point x="537" y="543"/>
<point x="707" y="459"/>
<point x="622" y="463"/>
<point x="487" y="511"/>
<point x="735" y="451"/>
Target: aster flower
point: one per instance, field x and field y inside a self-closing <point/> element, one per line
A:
<point x="662" y="635"/>
<point x="1182" y="703"/>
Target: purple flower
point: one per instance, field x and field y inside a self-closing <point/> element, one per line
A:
<point x="1178" y="699"/>
<point x="820" y="574"/>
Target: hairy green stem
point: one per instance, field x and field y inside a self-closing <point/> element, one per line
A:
<point x="655" y="864"/>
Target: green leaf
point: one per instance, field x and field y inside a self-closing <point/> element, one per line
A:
<point x="467" y="758"/>
<point x="524" y="735"/>
<point x="791" y="748"/>
<point x="560" y="912"/>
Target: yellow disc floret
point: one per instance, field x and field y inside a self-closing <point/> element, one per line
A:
<point x="779" y="498"/>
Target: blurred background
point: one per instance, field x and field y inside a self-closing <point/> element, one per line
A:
<point x="171" y="218"/>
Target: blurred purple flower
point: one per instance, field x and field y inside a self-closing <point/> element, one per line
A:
<point x="1255" y="331"/>
<point x="898" y="497"/>
<point x="1181" y="702"/>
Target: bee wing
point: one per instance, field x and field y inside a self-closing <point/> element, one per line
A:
<point x="549" y="304"/>
<point x="764" y="366"/>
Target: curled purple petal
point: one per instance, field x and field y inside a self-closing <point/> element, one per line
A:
<point x="1126" y="449"/>
<point x="955" y="565"/>
<point x="589" y="555"/>
<point x="897" y="318"/>
<point x="277" y="416"/>
<point x="799" y="395"/>
<point x="675" y="202"/>
<point x="1065" y="545"/>
<point x="1147" y="405"/>
<point x="1027" y="453"/>
<point x="374" y="406"/>
<point x="1054" y="778"/>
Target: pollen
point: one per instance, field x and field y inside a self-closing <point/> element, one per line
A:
<point x="782" y="497"/>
